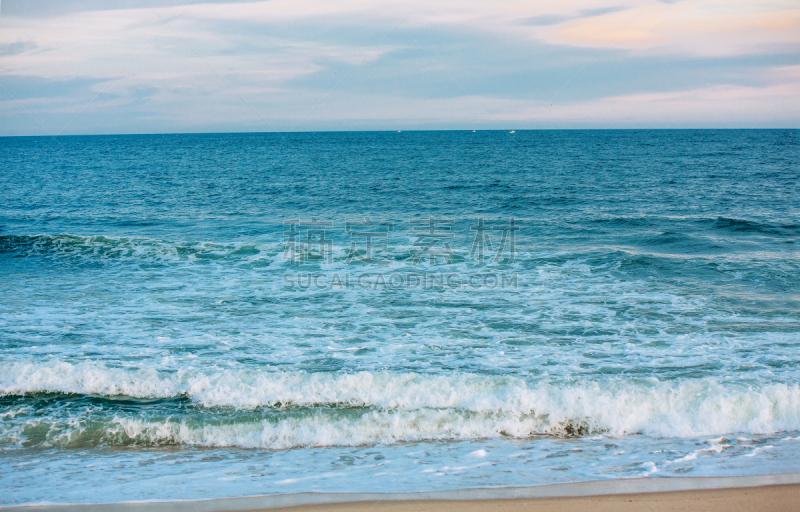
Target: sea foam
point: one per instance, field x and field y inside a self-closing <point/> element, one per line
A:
<point x="386" y="407"/>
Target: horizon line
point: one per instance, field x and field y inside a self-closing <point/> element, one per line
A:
<point x="414" y="130"/>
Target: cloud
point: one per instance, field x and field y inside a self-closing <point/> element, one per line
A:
<point x="236" y="64"/>
<point x="17" y="48"/>
<point x="555" y="19"/>
<point x="692" y="28"/>
<point x="27" y="87"/>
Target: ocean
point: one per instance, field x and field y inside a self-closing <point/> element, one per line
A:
<point x="218" y="315"/>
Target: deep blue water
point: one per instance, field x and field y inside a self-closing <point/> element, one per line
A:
<point x="162" y="319"/>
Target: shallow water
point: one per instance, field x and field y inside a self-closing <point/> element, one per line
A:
<point x="157" y="327"/>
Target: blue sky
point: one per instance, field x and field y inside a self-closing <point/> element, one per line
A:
<point x="155" y="66"/>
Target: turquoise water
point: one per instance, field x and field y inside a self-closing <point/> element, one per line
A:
<point x="187" y="316"/>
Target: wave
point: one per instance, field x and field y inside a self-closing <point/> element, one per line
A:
<point x="99" y="246"/>
<point x="681" y="243"/>
<point x="714" y="223"/>
<point x="100" y="249"/>
<point x="237" y="408"/>
<point x="104" y="248"/>
<point x="743" y="225"/>
<point x="626" y="222"/>
<point x="316" y="429"/>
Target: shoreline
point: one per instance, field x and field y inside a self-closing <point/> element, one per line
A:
<point x="729" y="494"/>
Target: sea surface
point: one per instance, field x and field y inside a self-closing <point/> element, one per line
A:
<point x="217" y="315"/>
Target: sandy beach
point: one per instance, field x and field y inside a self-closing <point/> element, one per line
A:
<point x="766" y="498"/>
<point x="717" y="494"/>
<point x="784" y="497"/>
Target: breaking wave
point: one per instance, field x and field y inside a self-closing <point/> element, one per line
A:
<point x="281" y="410"/>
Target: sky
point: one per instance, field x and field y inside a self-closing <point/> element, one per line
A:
<point x="165" y="66"/>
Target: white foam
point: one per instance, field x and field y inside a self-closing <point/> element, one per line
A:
<point x="758" y="450"/>
<point x="409" y="406"/>
<point x="649" y="468"/>
<point x="716" y="447"/>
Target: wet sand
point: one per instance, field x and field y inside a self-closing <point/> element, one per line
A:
<point x="780" y="492"/>
<point x="767" y="498"/>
